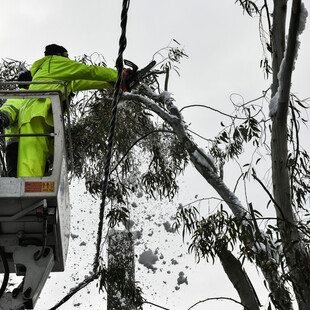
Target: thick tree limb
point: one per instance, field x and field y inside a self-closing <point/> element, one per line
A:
<point x="278" y="40"/>
<point x="284" y="72"/>
<point x="239" y="279"/>
<point x="206" y="167"/>
<point x="297" y="257"/>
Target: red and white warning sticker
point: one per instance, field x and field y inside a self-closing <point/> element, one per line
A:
<point x="39" y="187"/>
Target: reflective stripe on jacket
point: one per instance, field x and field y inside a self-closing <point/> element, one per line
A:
<point x="11" y="109"/>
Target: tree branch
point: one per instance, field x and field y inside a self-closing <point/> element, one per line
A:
<point x="288" y="61"/>
<point x="297" y="151"/>
<point x="167" y="78"/>
<point x="269" y="194"/>
<point x="200" y="160"/>
<point x="155" y="305"/>
<point x="240" y="281"/>
<point x="213" y="109"/>
<point x="76" y="289"/>
<point x="218" y="298"/>
<point x="277" y="40"/>
<point x="268" y="15"/>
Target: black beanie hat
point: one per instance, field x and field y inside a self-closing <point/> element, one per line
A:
<point x="54" y="49"/>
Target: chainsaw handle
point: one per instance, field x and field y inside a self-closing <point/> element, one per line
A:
<point x="131" y="64"/>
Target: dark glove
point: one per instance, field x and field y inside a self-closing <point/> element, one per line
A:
<point x="4" y="120"/>
<point x="129" y="81"/>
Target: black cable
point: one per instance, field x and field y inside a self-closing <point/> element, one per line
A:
<point x="6" y="272"/>
<point x="116" y="95"/>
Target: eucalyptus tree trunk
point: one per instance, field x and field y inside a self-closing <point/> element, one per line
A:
<point x="120" y="260"/>
<point x="296" y="255"/>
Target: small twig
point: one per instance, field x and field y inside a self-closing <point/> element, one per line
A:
<point x="268" y="17"/>
<point x="74" y="290"/>
<point x="268" y="193"/>
<point x="297" y="146"/>
<point x="155" y="305"/>
<point x="213" y="109"/>
<point x="167" y="79"/>
<point x="202" y="199"/>
<point x="237" y="182"/>
<point x="198" y="135"/>
<point x="217" y="298"/>
<point x="253" y="217"/>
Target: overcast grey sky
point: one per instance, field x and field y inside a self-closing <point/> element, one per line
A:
<point x="224" y="54"/>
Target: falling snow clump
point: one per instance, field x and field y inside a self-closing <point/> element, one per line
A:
<point x="174" y="261"/>
<point x="168" y="227"/>
<point x="129" y="224"/>
<point x="73" y="236"/>
<point x="148" y="259"/>
<point x="182" y="279"/>
<point x="134" y="205"/>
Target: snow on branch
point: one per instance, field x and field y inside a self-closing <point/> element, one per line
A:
<point x="150" y="102"/>
<point x="203" y="162"/>
<point x="205" y="159"/>
<point x="297" y="26"/>
<point x="303" y="18"/>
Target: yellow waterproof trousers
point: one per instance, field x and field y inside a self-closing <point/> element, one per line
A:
<point x="34" y="151"/>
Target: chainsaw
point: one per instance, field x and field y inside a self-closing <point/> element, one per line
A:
<point x="136" y="75"/>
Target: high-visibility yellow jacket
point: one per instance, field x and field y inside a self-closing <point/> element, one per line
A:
<point x="76" y="76"/>
<point x="11" y="109"/>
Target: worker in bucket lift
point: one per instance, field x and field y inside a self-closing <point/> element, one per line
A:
<point x="36" y="115"/>
<point x="9" y="117"/>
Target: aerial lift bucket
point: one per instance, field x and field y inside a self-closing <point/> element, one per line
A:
<point x="35" y="215"/>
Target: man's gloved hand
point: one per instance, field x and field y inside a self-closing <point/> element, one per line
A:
<point x="128" y="80"/>
<point x="4" y="120"/>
